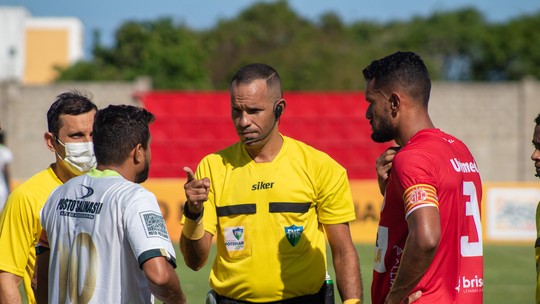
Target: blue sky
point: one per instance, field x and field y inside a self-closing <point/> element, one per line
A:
<point x="108" y="15"/>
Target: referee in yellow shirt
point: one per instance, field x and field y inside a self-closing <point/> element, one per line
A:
<point x="271" y="202"/>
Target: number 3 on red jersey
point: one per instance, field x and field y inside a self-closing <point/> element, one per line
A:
<point x="468" y="248"/>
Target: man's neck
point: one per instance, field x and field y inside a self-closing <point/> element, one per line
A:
<point x="267" y="152"/>
<point x="63" y="175"/>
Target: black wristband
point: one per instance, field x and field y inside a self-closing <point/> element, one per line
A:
<point x="191" y="216"/>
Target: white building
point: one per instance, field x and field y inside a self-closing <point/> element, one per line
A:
<point x="30" y="47"/>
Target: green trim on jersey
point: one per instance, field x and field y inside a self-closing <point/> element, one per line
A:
<point x="95" y="173"/>
<point x="154" y="253"/>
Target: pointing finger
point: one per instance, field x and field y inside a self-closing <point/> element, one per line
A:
<point x="190" y="174"/>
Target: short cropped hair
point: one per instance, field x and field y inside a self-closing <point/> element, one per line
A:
<point x="404" y="70"/>
<point x="256" y="71"/>
<point x="117" y="130"/>
<point x="70" y="103"/>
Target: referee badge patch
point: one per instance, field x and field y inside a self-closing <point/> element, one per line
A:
<point x="154" y="224"/>
<point x="294" y="233"/>
<point x="234" y="238"/>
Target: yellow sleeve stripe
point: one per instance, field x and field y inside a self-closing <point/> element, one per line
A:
<point x="419" y="196"/>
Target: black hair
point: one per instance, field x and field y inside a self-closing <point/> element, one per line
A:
<point x="405" y="70"/>
<point x="256" y="71"/>
<point x="537" y="120"/>
<point x="70" y="103"/>
<point x="117" y="130"/>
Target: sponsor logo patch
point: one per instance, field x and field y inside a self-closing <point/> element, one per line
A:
<point x="470" y="284"/>
<point x="154" y="224"/>
<point x="465" y="167"/>
<point x="234" y="238"/>
<point x="78" y="208"/>
<point x="89" y="192"/>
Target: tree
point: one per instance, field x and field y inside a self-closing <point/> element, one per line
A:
<point x="170" y="54"/>
<point x="324" y="54"/>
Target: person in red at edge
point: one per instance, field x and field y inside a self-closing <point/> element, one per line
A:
<point x="429" y="239"/>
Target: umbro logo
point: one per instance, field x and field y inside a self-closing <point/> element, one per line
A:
<point x="89" y="192"/>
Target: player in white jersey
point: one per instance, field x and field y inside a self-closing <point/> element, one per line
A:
<point x="107" y="237"/>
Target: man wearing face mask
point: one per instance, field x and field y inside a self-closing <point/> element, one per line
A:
<point x="69" y="120"/>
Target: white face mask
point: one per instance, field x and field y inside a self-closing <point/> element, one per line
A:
<point x="79" y="157"/>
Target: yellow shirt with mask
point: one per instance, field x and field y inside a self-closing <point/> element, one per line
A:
<point x="267" y="219"/>
<point x="20" y="227"/>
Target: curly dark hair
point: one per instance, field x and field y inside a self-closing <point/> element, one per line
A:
<point x="117" y="130"/>
<point x="405" y="70"/>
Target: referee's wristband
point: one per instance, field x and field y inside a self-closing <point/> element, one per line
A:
<point x="193" y="225"/>
<point x="352" y="301"/>
<point x="193" y="230"/>
<point x="192" y="216"/>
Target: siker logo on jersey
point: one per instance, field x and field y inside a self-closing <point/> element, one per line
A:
<point x="262" y="186"/>
<point x="294" y="233"/>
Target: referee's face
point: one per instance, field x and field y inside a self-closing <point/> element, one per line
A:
<point x="252" y="112"/>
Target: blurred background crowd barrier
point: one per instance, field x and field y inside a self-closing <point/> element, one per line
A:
<point x="494" y="119"/>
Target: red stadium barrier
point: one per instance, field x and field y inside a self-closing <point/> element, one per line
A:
<point x="190" y="125"/>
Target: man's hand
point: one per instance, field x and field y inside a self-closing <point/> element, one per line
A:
<point x="196" y="191"/>
<point x="195" y="242"/>
<point x="383" y="164"/>
<point x="415" y="296"/>
<point x="410" y="299"/>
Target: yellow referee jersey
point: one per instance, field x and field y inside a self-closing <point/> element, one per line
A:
<point x="20" y="227"/>
<point x="267" y="219"/>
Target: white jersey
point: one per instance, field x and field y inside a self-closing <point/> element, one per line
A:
<point x="101" y="229"/>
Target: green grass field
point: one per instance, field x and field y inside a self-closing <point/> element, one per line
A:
<point x="509" y="275"/>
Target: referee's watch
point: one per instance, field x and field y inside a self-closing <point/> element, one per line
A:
<point x="192" y="216"/>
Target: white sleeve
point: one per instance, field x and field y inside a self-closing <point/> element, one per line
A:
<point x="146" y="230"/>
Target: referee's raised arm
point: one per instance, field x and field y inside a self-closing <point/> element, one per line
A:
<point x="194" y="240"/>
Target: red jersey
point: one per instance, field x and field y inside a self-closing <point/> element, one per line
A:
<point x="433" y="170"/>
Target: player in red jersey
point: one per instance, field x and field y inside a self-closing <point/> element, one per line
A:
<point x="429" y="240"/>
